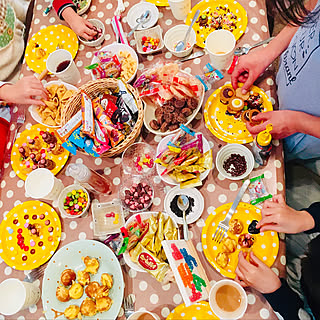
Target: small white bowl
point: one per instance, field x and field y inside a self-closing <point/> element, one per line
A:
<point x="63" y="195"/>
<point x="221" y="313"/>
<point x="176" y="34"/>
<point x="94" y="43"/>
<point x="155" y="32"/>
<point x="143" y="314"/>
<point x="225" y="152"/>
<point x="135" y="12"/>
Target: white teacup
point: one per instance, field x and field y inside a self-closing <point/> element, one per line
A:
<point x="16" y="295"/>
<point x="180" y="8"/>
<point x="228" y="300"/>
<point x="143" y="315"/>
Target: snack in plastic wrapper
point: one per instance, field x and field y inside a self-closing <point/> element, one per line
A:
<point x="169" y="230"/>
<point x="65" y="131"/>
<point x="159" y="234"/>
<point x="196" y="182"/>
<point x="87" y="115"/>
<point x="257" y="190"/>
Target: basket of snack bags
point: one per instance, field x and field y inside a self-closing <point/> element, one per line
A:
<point x="103" y="118"/>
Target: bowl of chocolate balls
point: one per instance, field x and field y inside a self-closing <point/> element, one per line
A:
<point x="98" y="38"/>
<point x="234" y="161"/>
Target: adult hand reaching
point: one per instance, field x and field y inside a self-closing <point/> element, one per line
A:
<point x="249" y="68"/>
<point x="28" y="90"/>
<point x="256" y="274"/>
<point x="278" y="216"/>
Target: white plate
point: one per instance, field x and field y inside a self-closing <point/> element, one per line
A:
<point x="135" y="13"/>
<point x="115" y="48"/>
<point x="150" y="109"/>
<point x="196" y="210"/>
<point x="144" y="216"/>
<point x="69" y="256"/>
<point x="162" y="145"/>
<point x="33" y="108"/>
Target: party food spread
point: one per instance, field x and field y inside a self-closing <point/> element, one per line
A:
<point x="30" y="234"/>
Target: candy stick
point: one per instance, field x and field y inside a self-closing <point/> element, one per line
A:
<point x="118" y="30"/>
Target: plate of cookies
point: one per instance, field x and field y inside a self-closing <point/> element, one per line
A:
<point x="227" y="111"/>
<point x="58" y="95"/>
<point x="242" y="235"/>
<point x="83" y="279"/>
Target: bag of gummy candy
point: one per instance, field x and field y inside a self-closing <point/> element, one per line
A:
<point x="257" y="190"/>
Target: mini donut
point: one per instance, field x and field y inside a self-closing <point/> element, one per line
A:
<point x="103" y="304"/>
<point x="72" y="312"/>
<point x="92" y="264"/>
<point x="88" y="308"/>
<point x="253" y="113"/>
<point x="67" y="276"/>
<point x="235" y="226"/>
<point x="222" y="259"/>
<point x="62" y="294"/>
<point x="226" y="94"/>
<point x="92" y="289"/>
<point x="76" y="291"/>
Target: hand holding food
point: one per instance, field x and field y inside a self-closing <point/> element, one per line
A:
<point x="256" y="274"/>
<point x="278" y="216"/>
<point x="28" y="90"/>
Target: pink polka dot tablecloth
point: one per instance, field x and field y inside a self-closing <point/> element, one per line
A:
<point x="216" y="190"/>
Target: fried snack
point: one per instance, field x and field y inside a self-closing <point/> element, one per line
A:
<point x="67" y="276"/>
<point x="226" y="94"/>
<point x="88" y="308"/>
<point x="240" y="95"/>
<point x="103" y="304"/>
<point x="103" y="291"/>
<point x="246" y="240"/>
<point x="128" y="65"/>
<point x="83" y="277"/>
<point x="92" y="264"/>
<point x="92" y="289"/>
<point x="76" y="291"/>
<point x="228" y="245"/>
<point x="58" y="96"/>
<point x="72" y="312"/>
<point x="222" y="259"/>
<point x="235" y="226"/>
<point x="107" y="280"/>
<point x="62" y="294"/>
<point x="235" y="105"/>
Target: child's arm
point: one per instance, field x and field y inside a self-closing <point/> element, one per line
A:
<point x="67" y="11"/>
<point x="28" y="90"/>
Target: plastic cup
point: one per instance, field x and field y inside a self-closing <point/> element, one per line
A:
<point x="42" y="184"/>
<point x="70" y="72"/>
<point x="180" y="8"/>
<point x="143" y="314"/>
<point x="16" y="295"/>
<point x="236" y="314"/>
<point x="220" y="45"/>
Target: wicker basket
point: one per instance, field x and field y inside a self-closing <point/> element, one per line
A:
<point x="93" y="89"/>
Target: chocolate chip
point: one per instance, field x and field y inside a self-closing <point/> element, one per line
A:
<point x="15" y="221"/>
<point x="32" y="251"/>
<point x="252" y="227"/>
<point x="34" y="217"/>
<point x="236" y="165"/>
<point x="47" y="222"/>
<point x="50" y="229"/>
<point x="26" y="217"/>
<point x="40" y="244"/>
<point x="24" y="258"/>
<point x="42" y="216"/>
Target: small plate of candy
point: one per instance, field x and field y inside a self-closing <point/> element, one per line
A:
<point x="73" y="201"/>
<point x="149" y="41"/>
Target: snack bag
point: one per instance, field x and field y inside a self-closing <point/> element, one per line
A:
<point x="257" y="190"/>
<point x="77" y="138"/>
<point x="65" y="131"/>
<point x="87" y="115"/>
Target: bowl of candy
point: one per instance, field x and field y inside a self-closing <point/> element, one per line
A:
<point x="174" y="35"/>
<point x="234" y="161"/>
<point x="99" y="27"/>
<point x="136" y="194"/>
<point x="149" y="41"/>
<point x="73" y="201"/>
<point x="138" y="158"/>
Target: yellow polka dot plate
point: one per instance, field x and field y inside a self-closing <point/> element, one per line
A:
<point x="46" y="41"/>
<point x="232" y="12"/>
<point x="19" y="166"/>
<point x="226" y="127"/>
<point x="159" y="3"/>
<point x="22" y="249"/>
<point x="265" y="247"/>
<point x="197" y="311"/>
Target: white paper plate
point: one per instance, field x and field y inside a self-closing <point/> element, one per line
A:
<point x="150" y="109"/>
<point x="115" y="48"/>
<point x="162" y="145"/>
<point x="135" y="13"/>
<point x="33" y="109"/>
<point x="144" y="216"/>
<point x="196" y="210"/>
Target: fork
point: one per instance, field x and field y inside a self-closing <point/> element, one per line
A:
<point x="223" y="226"/>
<point x="244" y="50"/>
<point x="35" y="274"/>
<point x="128" y="305"/>
<point x="20" y="121"/>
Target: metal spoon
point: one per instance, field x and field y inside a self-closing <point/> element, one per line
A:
<point x="146" y="16"/>
<point x="183" y="43"/>
<point x="244" y="50"/>
<point x="183" y="204"/>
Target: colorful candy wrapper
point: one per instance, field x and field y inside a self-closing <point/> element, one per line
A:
<point x="77" y="138"/>
<point x="148" y="238"/>
<point x="257" y="190"/>
<point x="182" y="176"/>
<point x="196" y="143"/>
<point x="118" y="243"/>
<point x="210" y="76"/>
<point x="166" y="158"/>
<point x="87" y="115"/>
<point x="159" y="235"/>
<point x="196" y="182"/>
<point x="108" y="103"/>
<point x="149" y="262"/>
<point x="206" y="160"/>
<point x="183" y="136"/>
<point x="68" y="145"/>
<point x="169" y="230"/>
<point x="101" y="140"/>
<point x="129" y="100"/>
<point x="65" y="131"/>
<point x="90" y="148"/>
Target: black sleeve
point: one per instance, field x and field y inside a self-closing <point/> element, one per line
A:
<point x="314" y="210"/>
<point x="285" y="301"/>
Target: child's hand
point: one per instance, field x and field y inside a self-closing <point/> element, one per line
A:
<point x="277" y="216"/>
<point x="79" y="25"/>
<point x="28" y="90"/>
<point x="256" y="274"/>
